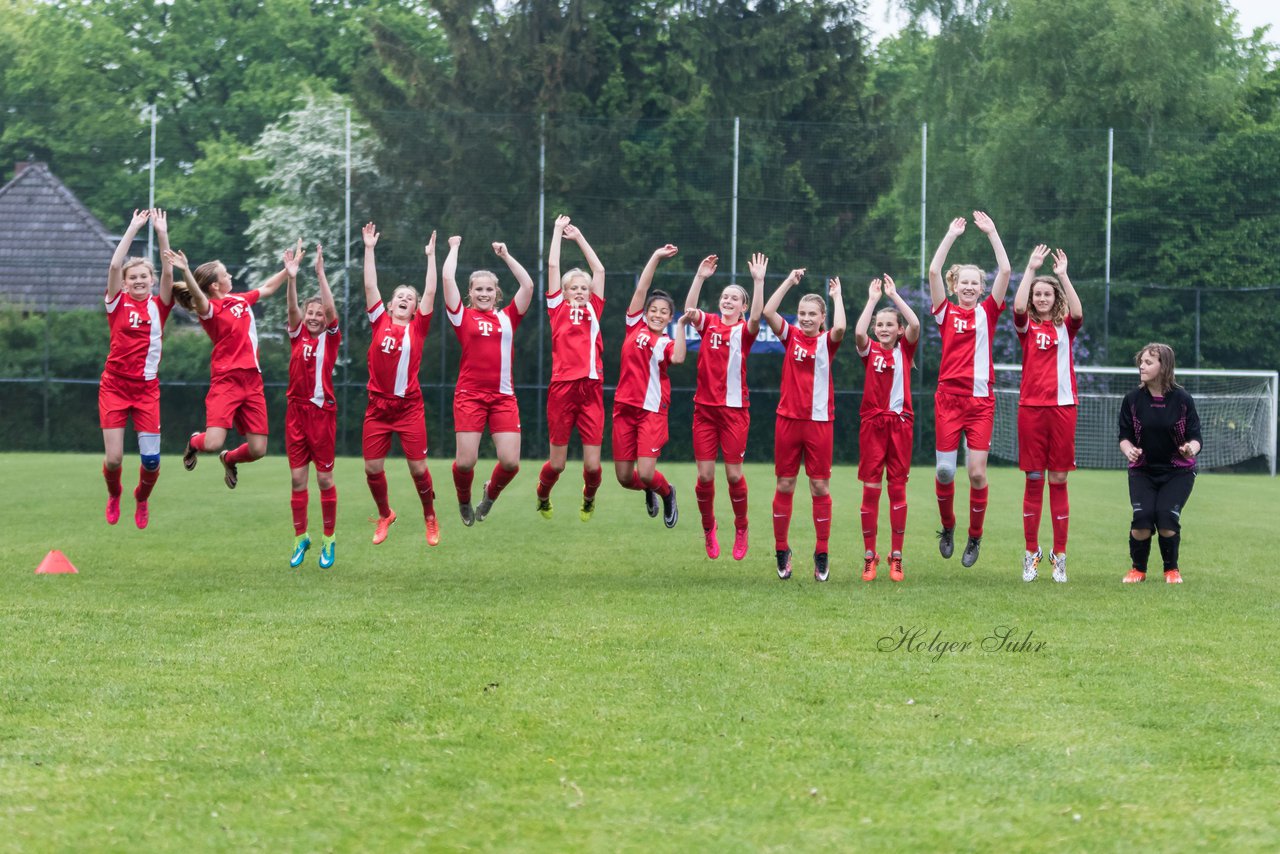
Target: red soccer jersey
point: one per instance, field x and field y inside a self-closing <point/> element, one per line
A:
<point x="722" y="362"/>
<point x="1048" y="368"/>
<point x="488" y="347"/>
<point x="231" y="326"/>
<point x="137" y="328"/>
<point x="967" y="339"/>
<point x="311" y="361"/>
<point x="642" y="376"/>
<point x="887" y="388"/>
<point x="395" y="354"/>
<point x="808" y="387"/>
<point x="577" y="348"/>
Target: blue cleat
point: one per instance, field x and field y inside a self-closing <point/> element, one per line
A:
<point x="300" y="546"/>
<point x="327" y="547"/>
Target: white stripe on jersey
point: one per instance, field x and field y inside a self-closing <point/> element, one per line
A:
<point x="821" y="408"/>
<point x="317" y="387"/>
<point x="1065" y="397"/>
<point x="733" y="378"/>
<point x="253" y="335"/>
<point x="593" y="369"/>
<point x="981" y="353"/>
<point x="555" y="301"/>
<point x="896" y="395"/>
<point x="152" y="365"/>
<point x="504" y="372"/>
<point x="112" y="303"/>
<point x="402" y="366"/>
<point x="376" y="312"/>
<point x="653" y="391"/>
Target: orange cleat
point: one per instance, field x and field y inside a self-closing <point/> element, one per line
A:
<point x="1134" y="576"/>
<point x="1172" y="576"/>
<point x="384" y="525"/>
<point x="895" y="567"/>
<point x="433" y="530"/>
<point x="869" y="563"/>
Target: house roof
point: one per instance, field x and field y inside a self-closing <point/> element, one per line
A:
<point x="54" y="253"/>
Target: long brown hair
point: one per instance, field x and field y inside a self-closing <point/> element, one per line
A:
<point x="205" y="275"/>
<point x="1059" y="309"/>
<point x="1164" y="353"/>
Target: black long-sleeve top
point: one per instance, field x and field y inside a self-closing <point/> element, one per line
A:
<point x="1159" y="426"/>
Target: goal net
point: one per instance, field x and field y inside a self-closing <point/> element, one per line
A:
<point x="1237" y="414"/>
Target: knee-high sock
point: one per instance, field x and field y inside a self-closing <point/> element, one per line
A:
<point x="146" y="482"/>
<point x="499" y="478"/>
<point x="197" y="442"/>
<point x="821" y="522"/>
<point x="946" y="493"/>
<point x="738" y="498"/>
<point x="462" y="483"/>
<point x="1032" y="510"/>
<point x="298" y="504"/>
<point x="329" y="509"/>
<point x="112" y="477"/>
<point x="977" y="510"/>
<point x="1169" y="550"/>
<point x="547" y="478"/>
<point x="636" y="483"/>
<point x="1060" y="509"/>
<point x="659" y="484"/>
<point x="897" y="515"/>
<point x="781" y="518"/>
<point x="706" y="495"/>
<point x="591" y="482"/>
<point x="378" y="488"/>
<point x="427" y="495"/>
<point x="240" y="455"/>
<point x="1139" y="552"/>
<point x="870" y="513"/>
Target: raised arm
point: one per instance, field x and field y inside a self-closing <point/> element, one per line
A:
<point x="199" y="302"/>
<point x="771" y="316"/>
<point x="860" y="338"/>
<point x="524" y="293"/>
<point x="326" y="294"/>
<point x="913" y="321"/>
<point x="369" y="234"/>
<point x="680" y="346"/>
<point x="1022" y="296"/>
<point x="757" y="266"/>
<point x="1003" y="268"/>
<point x="553" y="255"/>
<point x="291" y="289"/>
<point x="1074" y="308"/>
<point x="597" y="269"/>
<point x="705" y="271"/>
<point x="937" y="289"/>
<point x="115" y="273"/>
<point x="271" y="285"/>
<point x="427" y="304"/>
<point x="449" y="274"/>
<point x="838" y="322"/>
<point x="646" y="277"/>
<point x="160" y="222"/>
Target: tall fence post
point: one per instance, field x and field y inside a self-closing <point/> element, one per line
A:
<point x="1197" y="326"/>
<point x="924" y="209"/>
<point x="346" y="281"/>
<point x="733" y="228"/>
<point x="1106" y="282"/>
<point x="151" y="193"/>
<point x="542" y="268"/>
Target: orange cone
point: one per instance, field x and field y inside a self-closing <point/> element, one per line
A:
<point x="55" y="563"/>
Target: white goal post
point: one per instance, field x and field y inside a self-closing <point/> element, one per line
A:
<point x="1238" y="411"/>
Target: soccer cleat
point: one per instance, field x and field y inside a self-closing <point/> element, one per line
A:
<point x="327" y="548"/>
<point x="485" y="505"/>
<point x="468" y="514"/>
<point x="1059" y="562"/>
<point x="1031" y="560"/>
<point x="870" y="561"/>
<point x="228" y="471"/>
<point x="783" y="556"/>
<point x="113" y="509"/>
<point x="712" y="541"/>
<point x="141" y="515"/>
<point x="190" y="456"/>
<point x="588" y="508"/>
<point x="651" y="503"/>
<point x="301" y="544"/>
<point x="544" y="508"/>
<point x="433" y="530"/>
<point x="895" y="567"/>
<point x="947" y="542"/>
<point x="1173" y="576"/>
<point x="671" y="513"/>
<point x="821" y="569"/>
<point x="739" y="543"/>
<point x="970" y="556"/>
<point x="384" y="526"/>
<point x="1134" y="576"/>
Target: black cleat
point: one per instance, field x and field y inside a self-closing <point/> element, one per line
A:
<point x="947" y="542"/>
<point x="190" y="456"/>
<point x="820" y="568"/>
<point x="670" y="513"/>
<point x="970" y="556"/>
<point x="651" y="503"/>
<point x="229" y="472"/>
<point x="784" y="563"/>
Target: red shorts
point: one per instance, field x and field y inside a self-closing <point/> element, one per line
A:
<point x="1047" y="438"/>
<point x="121" y="398"/>
<point x="309" y="434"/>
<point x="959" y="413"/>
<point x="884" y="441"/>
<point x="812" y="441"/>
<point x="720" y="429"/>
<point x="404" y="417"/>
<point x="472" y="410"/>
<point x="576" y="403"/>
<point x="637" y="432"/>
<point x="236" y="399"/>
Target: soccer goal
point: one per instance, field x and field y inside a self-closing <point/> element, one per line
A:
<point x="1237" y="414"/>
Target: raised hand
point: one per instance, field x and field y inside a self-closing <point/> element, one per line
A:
<point x="758" y="266"/>
<point x="957" y="226"/>
<point x="319" y="260"/>
<point x="794" y="277"/>
<point x="983" y="222"/>
<point x="833" y="287"/>
<point x="160" y="221"/>
<point x="1037" y="256"/>
<point x="562" y="222"/>
<point x="1059" y="263"/>
<point x="455" y="241"/>
<point x="670" y="250"/>
<point x="293" y="259"/>
<point x="370" y="235"/>
<point x="177" y="258"/>
<point x="689" y="316"/>
<point x="890" y="289"/>
<point x="430" y="248"/>
<point x="139" y="219"/>
<point x="572" y="232"/>
<point x="500" y="249"/>
<point x="874" y="290"/>
<point x="707" y="268"/>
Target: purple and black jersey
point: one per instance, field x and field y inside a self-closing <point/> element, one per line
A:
<point x="1159" y="426"/>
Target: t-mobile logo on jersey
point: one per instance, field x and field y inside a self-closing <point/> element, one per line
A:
<point x="135" y="320"/>
<point x="715" y="340"/>
<point x="961" y="325"/>
<point x="388" y="344"/>
<point x="238" y="310"/>
<point x="576" y="314"/>
<point x="800" y="353"/>
<point x="642" y="340"/>
<point x="1044" y="340"/>
<point x="485" y="327"/>
<point x="307" y="350"/>
<point x="880" y="364"/>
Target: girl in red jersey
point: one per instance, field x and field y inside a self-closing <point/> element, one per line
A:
<point x="887" y="418"/>
<point x="485" y="394"/>
<point x="575" y="397"/>
<point x="721" y="416"/>
<point x="965" y="400"/>
<point x="395" y="408"/>
<point x="130" y="387"/>
<point x="236" y="397"/>
<point x="806" y="413"/>
<point x="311" y="413"/>
<point x="1046" y="315"/>
<point x="643" y="394"/>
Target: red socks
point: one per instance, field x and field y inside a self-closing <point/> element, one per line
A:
<point x="659" y="484"/>
<point x="378" y="487"/>
<point x="897" y="515"/>
<point x="462" y="483"/>
<point x="425" y="493"/>
<point x="546" y="479"/>
<point x="591" y="482"/>
<point x="197" y="442"/>
<point x="821" y="522"/>
<point x="329" y="509"/>
<point x="1060" y="509"/>
<point x="946" y="493"/>
<point x="298" y="503"/>
<point x="706" y="495"/>
<point x="112" y="477"/>
<point x="870" y="513"/>
<point x="781" y="518"/>
<point x="499" y="479"/>
<point x="738" y="498"/>
<point x="240" y="455"/>
<point x="146" y="482"/>
<point x="1032" y="509"/>
<point x="977" y="510"/>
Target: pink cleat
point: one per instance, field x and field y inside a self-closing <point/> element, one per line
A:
<point x="113" y="509"/>
<point x="713" y="541"/>
<point x="739" y="543"/>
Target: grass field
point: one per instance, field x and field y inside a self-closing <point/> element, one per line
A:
<point x="557" y="686"/>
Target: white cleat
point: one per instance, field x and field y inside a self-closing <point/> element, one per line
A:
<point x="1059" y="567"/>
<point x="1030" y="560"/>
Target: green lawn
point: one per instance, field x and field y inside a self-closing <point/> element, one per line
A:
<point x="566" y="686"/>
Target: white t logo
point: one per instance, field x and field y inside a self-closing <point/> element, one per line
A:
<point x="135" y="320"/>
<point x="306" y="352"/>
<point x="576" y="314"/>
<point x="961" y="325"/>
<point x="237" y="310"/>
<point x="800" y="353"/>
<point x="715" y="340"/>
<point x="485" y="327"/>
<point x="1043" y="340"/>
<point x="642" y="340"/>
<point x="879" y="363"/>
<point x="388" y="344"/>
